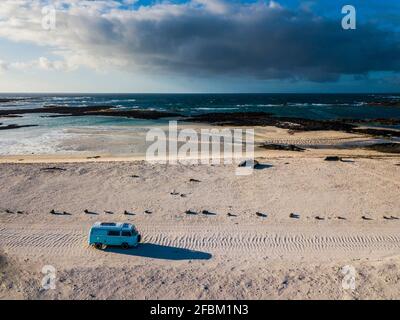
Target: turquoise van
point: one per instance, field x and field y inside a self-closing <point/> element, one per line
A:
<point x="104" y="234"/>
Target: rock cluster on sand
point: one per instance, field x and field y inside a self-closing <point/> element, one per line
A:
<point x="390" y="147"/>
<point x="15" y="126"/>
<point x="295" y="124"/>
<point x="65" y="111"/>
<point x="285" y="147"/>
<point x="333" y="158"/>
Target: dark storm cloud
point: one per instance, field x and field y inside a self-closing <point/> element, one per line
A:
<point x="267" y="43"/>
<point x="211" y="37"/>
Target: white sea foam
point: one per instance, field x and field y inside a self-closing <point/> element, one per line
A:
<point x="19" y="142"/>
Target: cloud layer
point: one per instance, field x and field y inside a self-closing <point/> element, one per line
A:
<point x="201" y="37"/>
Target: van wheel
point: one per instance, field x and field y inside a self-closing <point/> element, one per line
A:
<point x="98" y="246"/>
<point x="125" y="246"/>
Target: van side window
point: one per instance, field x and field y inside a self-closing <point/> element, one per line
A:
<point x="126" y="234"/>
<point x="113" y="233"/>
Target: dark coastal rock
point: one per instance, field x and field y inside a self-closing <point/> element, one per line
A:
<point x="16" y="126"/>
<point x="377" y="132"/>
<point x="385" y="147"/>
<point x="285" y="147"/>
<point x="110" y="111"/>
<point x="8" y="100"/>
<point x="11" y="116"/>
<point x="234" y="118"/>
<point x="299" y="124"/>
<point x="388" y="103"/>
<point x="267" y="119"/>
<point x="388" y="121"/>
<point x="251" y="119"/>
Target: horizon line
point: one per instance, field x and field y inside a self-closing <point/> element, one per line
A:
<point x="190" y="93"/>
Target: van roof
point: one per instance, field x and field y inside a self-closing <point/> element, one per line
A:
<point x="113" y="225"/>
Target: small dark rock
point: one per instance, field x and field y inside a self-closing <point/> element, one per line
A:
<point x="190" y="212"/>
<point x="262" y="215"/>
<point x="366" y="218"/>
<point x="333" y="158"/>
<point x="208" y="213"/>
<point x="53" y="169"/>
<point x="284" y="147"/>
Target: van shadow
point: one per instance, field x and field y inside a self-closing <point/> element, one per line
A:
<point x="156" y="251"/>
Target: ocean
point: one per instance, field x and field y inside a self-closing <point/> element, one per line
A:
<point x="45" y="137"/>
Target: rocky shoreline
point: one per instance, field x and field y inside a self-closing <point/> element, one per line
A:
<point x="237" y="119"/>
<point x="106" y="110"/>
<point x="15" y="126"/>
<point x="295" y="124"/>
<point x="385" y="147"/>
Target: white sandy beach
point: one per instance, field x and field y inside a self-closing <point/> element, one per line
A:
<point x="241" y="256"/>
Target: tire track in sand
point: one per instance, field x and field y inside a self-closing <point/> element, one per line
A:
<point x="72" y="242"/>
